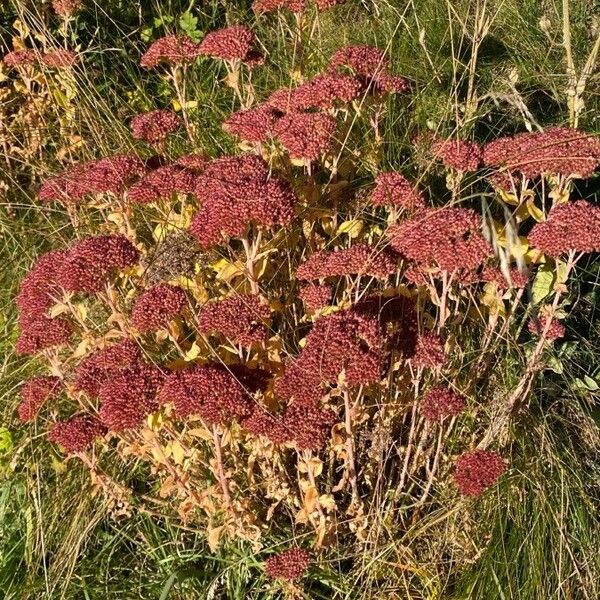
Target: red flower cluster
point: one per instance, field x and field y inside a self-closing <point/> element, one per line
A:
<point x="556" y="329"/>
<point x="448" y="238"/>
<point x="359" y="259"/>
<point x="66" y="8"/>
<point x="157" y="306"/>
<point x="162" y="183"/>
<point x="127" y="397"/>
<point x="344" y="341"/>
<point x="315" y="296"/>
<point x="34" y="394"/>
<point x="460" y="155"/>
<point x="155" y="126"/>
<point x="211" y="391"/>
<point x="173" y="50"/>
<point x="477" y="470"/>
<point x="392" y="189"/>
<point x="517" y="278"/>
<point x="236" y="192"/>
<point x="59" y="59"/>
<point x="429" y="351"/>
<point x="253" y="125"/>
<point x="571" y="226"/>
<point x="239" y="318"/>
<point x="325" y="91"/>
<point x="289" y="565"/>
<point x="19" y="58"/>
<point x="370" y="63"/>
<point x="106" y="175"/>
<point x="325" y="4"/>
<point x="43" y="333"/>
<point x="265" y="6"/>
<point x="193" y="162"/>
<point x="305" y="135"/>
<point x="89" y="262"/>
<point x="77" y="434"/>
<point x="230" y="43"/>
<point x="441" y="402"/>
<point x="559" y="151"/>
<point x="102" y="365"/>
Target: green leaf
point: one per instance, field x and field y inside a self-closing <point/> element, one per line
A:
<point x="189" y="24"/>
<point x="543" y="284"/>
<point x="590" y="384"/>
<point x="6" y="441"/>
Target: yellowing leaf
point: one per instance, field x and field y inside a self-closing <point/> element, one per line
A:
<point x="543" y="284"/>
<point x="352" y="227"/>
<point x="58" y="309"/>
<point x="508" y="197"/>
<point x="534" y="211"/>
<point x="227" y="270"/>
<point x="310" y="499"/>
<point x="214" y="534"/>
<point x="193" y="352"/>
<point x="177" y="452"/>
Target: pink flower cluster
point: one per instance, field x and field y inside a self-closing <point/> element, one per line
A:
<point x="447" y="238"/>
<point x="105" y="175"/>
<point x="392" y="189"/>
<point x="34" y="394"/>
<point x="162" y="183"/>
<point x="460" y="155"/>
<point x="236" y="192"/>
<point x="66" y="8"/>
<point x="59" y="59"/>
<point x="130" y="395"/>
<point x="571" y="226"/>
<point x="89" y="262"/>
<point x="173" y="50"/>
<point x="558" y="151"/>
<point x="315" y="296"/>
<point x="476" y="471"/>
<point x="43" y="333"/>
<point x="325" y="91"/>
<point x="95" y="370"/>
<point x="239" y="318"/>
<point x="76" y="434"/>
<point x="56" y="59"/>
<point x="155" y="126"/>
<point x="231" y="44"/>
<point x="213" y="392"/>
<point x="155" y="307"/>
<point x="440" y="402"/>
<point x="346" y="342"/>
<point x="555" y="331"/>
<point x="429" y="351"/>
<point x="305" y="135"/>
<point x="290" y="564"/>
<point x="359" y="259"/>
<point x="254" y="124"/>
<point x="370" y="63"/>
<point x="516" y="278"/>
<point x="19" y="58"/>
<point x="266" y="6"/>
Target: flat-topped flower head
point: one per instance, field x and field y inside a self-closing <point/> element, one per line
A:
<point x="59" y="59"/>
<point x="290" y="564"/>
<point x="173" y="50"/>
<point x="553" y="331"/>
<point x="393" y="189"/>
<point x="93" y="371"/>
<point x="128" y="397"/>
<point x="155" y="126"/>
<point x="573" y="226"/>
<point x="305" y="135"/>
<point x="266" y="6"/>
<point x="20" y="58"/>
<point x="447" y="238"/>
<point x="315" y="296"/>
<point x="66" y="8"/>
<point x="90" y="262"/>
<point x="440" y="402"/>
<point x="253" y="124"/>
<point x="35" y="392"/>
<point x="240" y="318"/>
<point x="460" y="155"/>
<point x="556" y="151"/>
<point x="429" y="351"/>
<point x="236" y="192"/>
<point x="76" y="434"/>
<point x="212" y="392"/>
<point x="162" y="184"/>
<point x="155" y="307"/>
<point x="361" y="59"/>
<point x="478" y="470"/>
<point x="308" y="426"/>
<point x="231" y="43"/>
<point x="360" y="259"/>
<point x="43" y="333"/>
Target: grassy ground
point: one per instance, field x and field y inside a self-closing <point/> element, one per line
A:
<point x="535" y="538"/>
